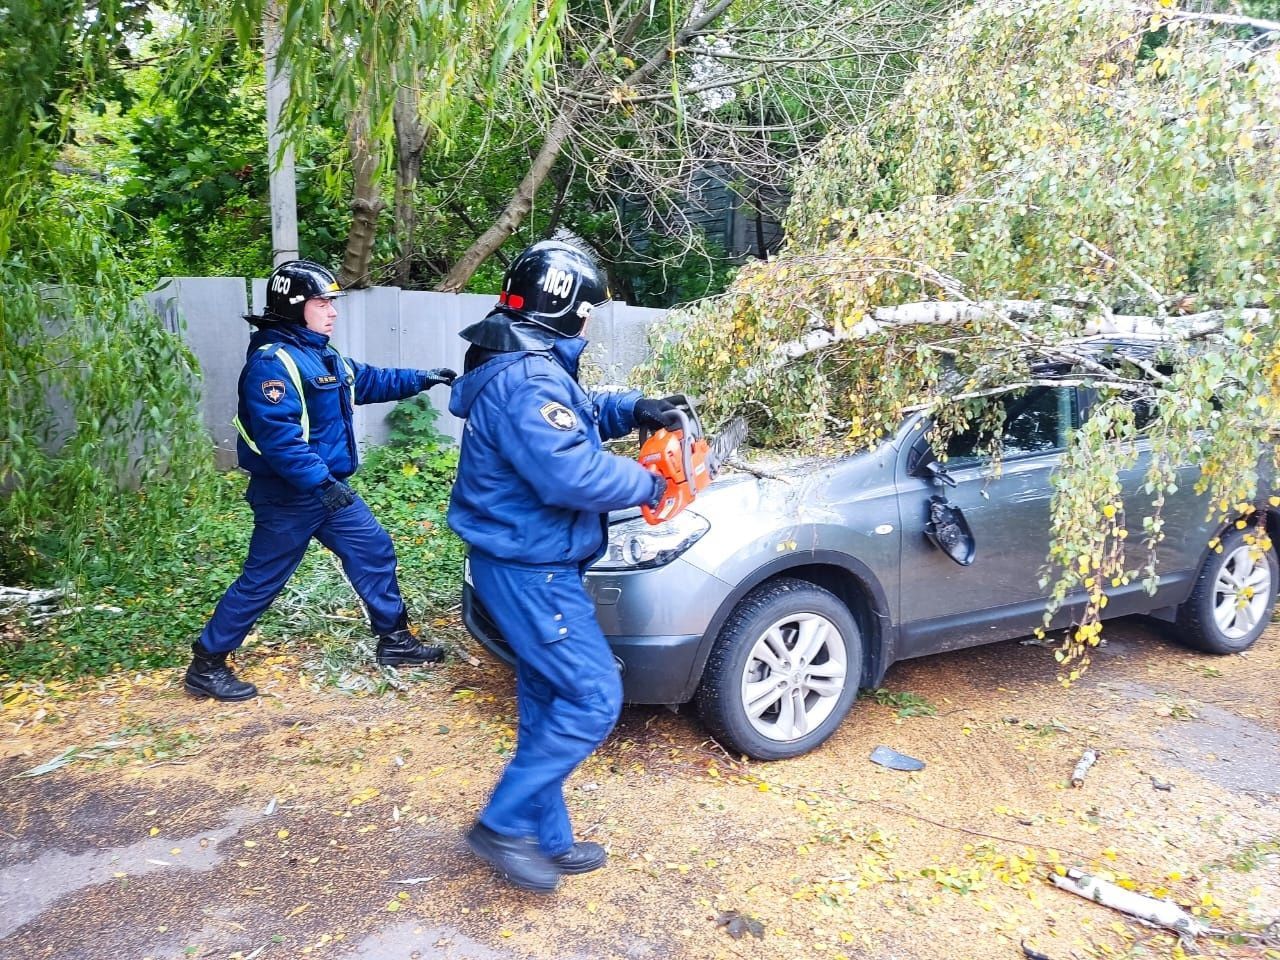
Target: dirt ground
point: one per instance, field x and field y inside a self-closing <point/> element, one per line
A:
<point x="309" y="823"/>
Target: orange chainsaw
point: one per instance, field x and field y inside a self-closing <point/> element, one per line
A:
<point x="685" y="458"/>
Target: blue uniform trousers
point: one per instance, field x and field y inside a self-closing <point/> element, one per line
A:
<point x="567" y="686"/>
<point x="282" y="529"/>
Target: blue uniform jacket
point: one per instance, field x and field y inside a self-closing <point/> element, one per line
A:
<point x="534" y="481"/>
<point x="271" y="410"/>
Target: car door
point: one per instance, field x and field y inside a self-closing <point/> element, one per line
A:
<point x="1187" y="526"/>
<point x="945" y="605"/>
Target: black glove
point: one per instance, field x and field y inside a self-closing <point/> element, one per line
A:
<point x="657" y="413"/>
<point x="659" y="491"/>
<point x="439" y="375"/>
<point x="335" y="495"/>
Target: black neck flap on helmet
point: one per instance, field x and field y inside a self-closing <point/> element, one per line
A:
<point x="503" y="332"/>
<point x="291" y="285"/>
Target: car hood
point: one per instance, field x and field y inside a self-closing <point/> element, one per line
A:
<point x="775" y="486"/>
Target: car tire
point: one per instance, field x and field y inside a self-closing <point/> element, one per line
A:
<point x="1215" y="619"/>
<point x="798" y="703"/>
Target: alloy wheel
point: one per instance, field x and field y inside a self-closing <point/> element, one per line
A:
<point x="794" y="676"/>
<point x="1241" y="592"/>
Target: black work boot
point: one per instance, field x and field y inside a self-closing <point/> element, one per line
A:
<point x="519" y="859"/>
<point x="583" y="857"/>
<point x="402" y="648"/>
<point x="209" y="676"/>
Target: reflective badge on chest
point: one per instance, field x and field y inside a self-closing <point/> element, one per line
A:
<point x="558" y="415"/>
<point x="273" y="390"/>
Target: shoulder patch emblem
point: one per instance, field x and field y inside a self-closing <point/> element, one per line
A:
<point x="558" y="415"/>
<point x="273" y="390"/>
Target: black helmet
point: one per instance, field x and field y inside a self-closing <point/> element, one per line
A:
<point x="292" y="284"/>
<point x="553" y="284"/>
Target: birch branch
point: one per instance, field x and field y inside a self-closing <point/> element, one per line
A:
<point x="955" y="313"/>
<point x="1224" y="19"/>
<point x="1162" y="913"/>
<point x="1129" y="271"/>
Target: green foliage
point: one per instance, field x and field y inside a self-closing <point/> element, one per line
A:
<point x="97" y="397"/>
<point x="147" y="592"/>
<point x="906" y="703"/>
<point x="1088" y="156"/>
<point x="182" y="174"/>
<point x="349" y="59"/>
<point x="406" y="483"/>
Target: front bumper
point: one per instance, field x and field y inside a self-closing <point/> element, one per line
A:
<point x="655" y="621"/>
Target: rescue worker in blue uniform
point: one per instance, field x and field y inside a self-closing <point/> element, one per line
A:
<point x="533" y="489"/>
<point x="296" y="402"/>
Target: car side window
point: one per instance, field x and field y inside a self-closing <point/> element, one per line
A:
<point x="1144" y="412"/>
<point x="1036" y="420"/>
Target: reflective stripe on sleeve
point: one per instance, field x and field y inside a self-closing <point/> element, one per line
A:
<point x="291" y="368"/>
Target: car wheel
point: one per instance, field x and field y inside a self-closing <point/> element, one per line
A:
<point x="783" y="672"/>
<point x="1231" y="603"/>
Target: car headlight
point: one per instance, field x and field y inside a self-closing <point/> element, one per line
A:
<point x="635" y="544"/>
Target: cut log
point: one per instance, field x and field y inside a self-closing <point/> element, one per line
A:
<point x="1087" y="760"/>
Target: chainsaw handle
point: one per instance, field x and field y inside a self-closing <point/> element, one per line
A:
<point x="683" y="404"/>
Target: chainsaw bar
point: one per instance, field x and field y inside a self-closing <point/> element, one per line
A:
<point x="725" y="444"/>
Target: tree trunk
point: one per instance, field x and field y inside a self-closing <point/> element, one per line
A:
<point x="521" y="202"/>
<point x="366" y="203"/>
<point x="761" y="252"/>
<point x="411" y="141"/>
<point x="516" y="210"/>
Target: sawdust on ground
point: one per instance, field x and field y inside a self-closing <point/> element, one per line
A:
<point x="825" y="856"/>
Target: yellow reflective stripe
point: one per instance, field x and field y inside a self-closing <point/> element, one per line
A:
<point x="291" y="368"/>
<point x="244" y="434"/>
<point x="296" y="377"/>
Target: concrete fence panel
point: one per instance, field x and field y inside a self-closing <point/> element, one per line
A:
<point x="384" y="326"/>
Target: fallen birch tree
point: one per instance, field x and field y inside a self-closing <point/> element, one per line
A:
<point x="1054" y="177"/>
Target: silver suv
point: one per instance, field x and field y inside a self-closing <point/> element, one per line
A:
<point x="779" y="594"/>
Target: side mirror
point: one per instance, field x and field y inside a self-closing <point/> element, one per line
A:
<point x="948" y="530"/>
<point x="937" y="471"/>
<point x="923" y="462"/>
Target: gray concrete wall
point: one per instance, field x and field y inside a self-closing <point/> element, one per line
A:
<point x="384" y="326"/>
<point x="207" y="312"/>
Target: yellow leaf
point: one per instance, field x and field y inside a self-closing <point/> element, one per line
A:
<point x="282" y="834"/>
<point x="393" y="906"/>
